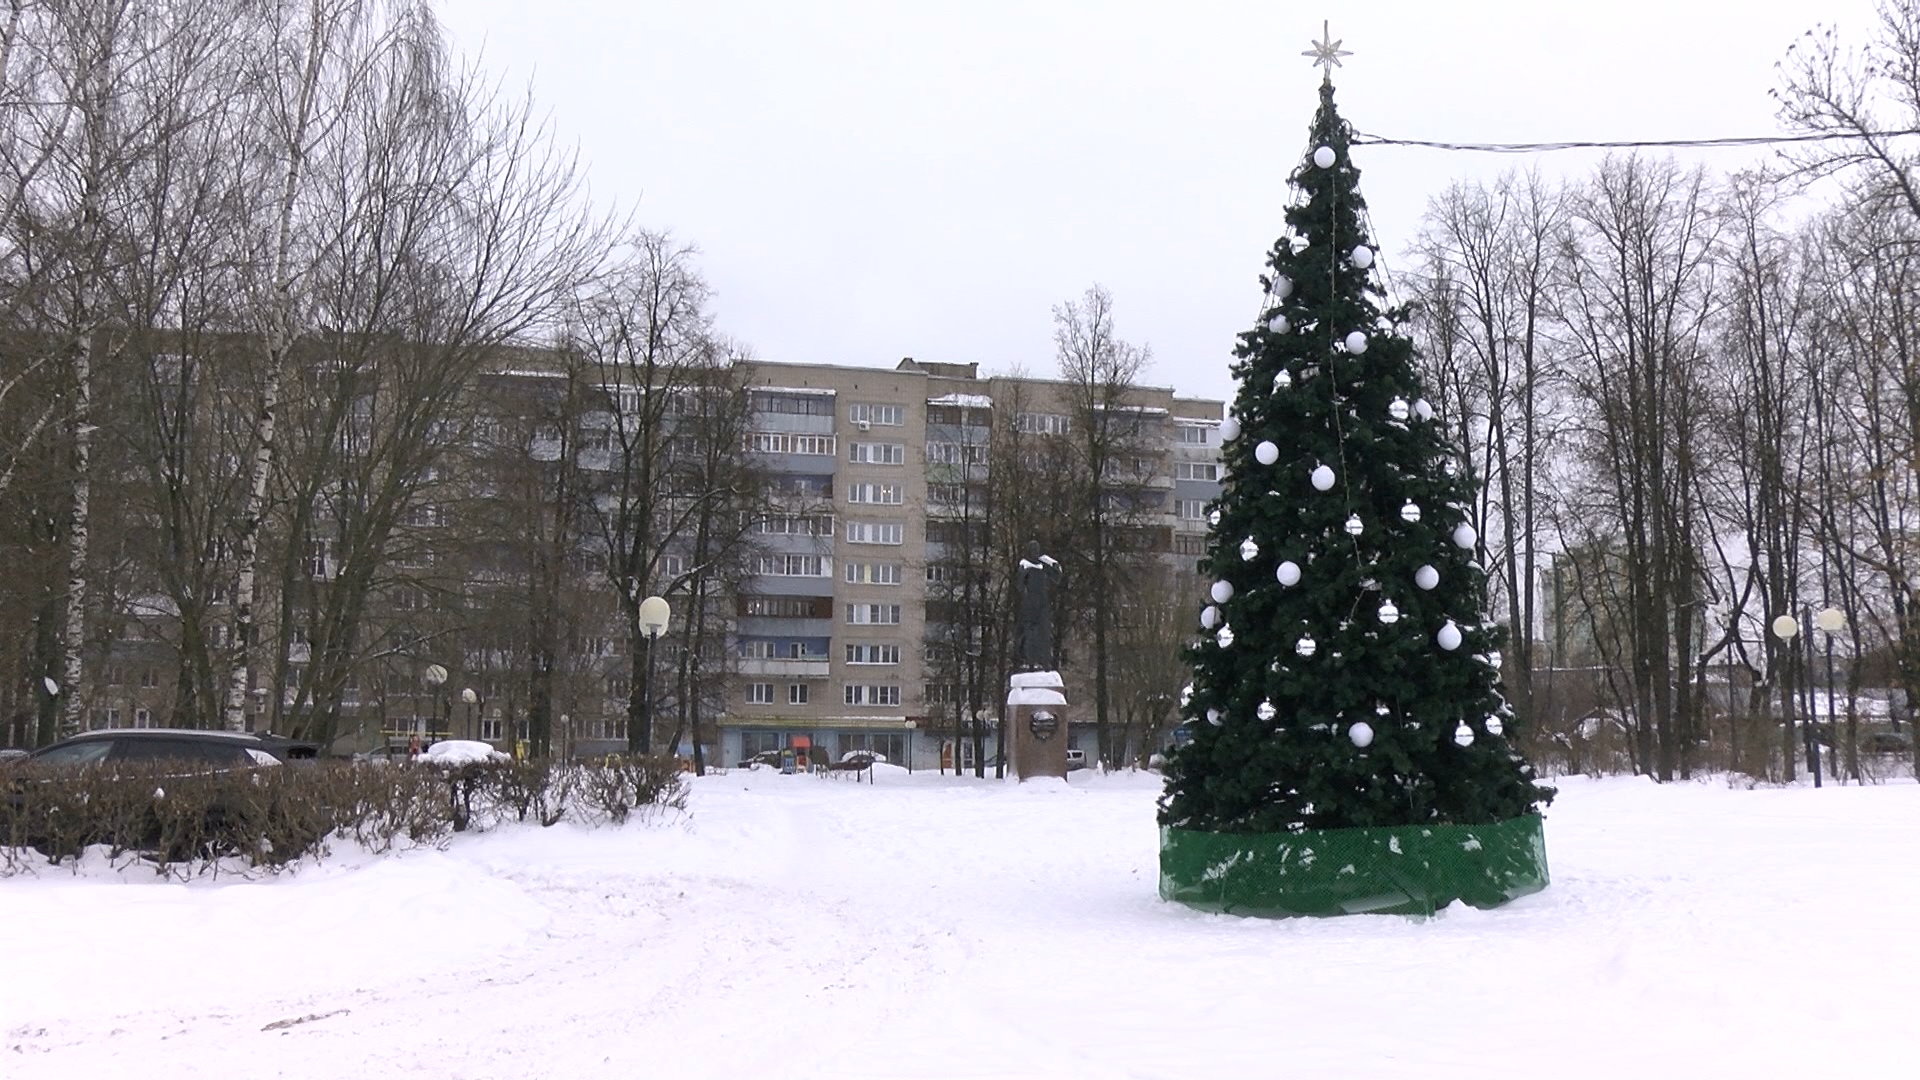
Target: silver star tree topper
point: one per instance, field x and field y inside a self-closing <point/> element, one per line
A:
<point x="1326" y="52"/>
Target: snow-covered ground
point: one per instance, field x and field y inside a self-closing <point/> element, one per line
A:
<point x="923" y="926"/>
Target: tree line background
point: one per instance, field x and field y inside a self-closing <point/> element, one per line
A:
<point x="265" y="266"/>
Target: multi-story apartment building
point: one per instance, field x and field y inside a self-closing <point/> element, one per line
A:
<point x="833" y="627"/>
<point x="827" y="646"/>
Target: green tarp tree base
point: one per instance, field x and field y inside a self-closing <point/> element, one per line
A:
<point x="1400" y="870"/>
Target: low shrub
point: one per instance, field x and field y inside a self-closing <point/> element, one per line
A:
<point x="266" y="819"/>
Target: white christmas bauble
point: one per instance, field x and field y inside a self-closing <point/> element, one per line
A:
<point x="1229" y="429"/>
<point x="1494" y="726"/>
<point x="1322" y="477"/>
<point x="1287" y="573"/>
<point x="1282" y="287"/>
<point x="1186" y="695"/>
<point x="1221" y="592"/>
<point x="1381" y="709"/>
<point x="1278" y="323"/>
<point x="1282" y="379"/>
<point x="1209" y="617"/>
<point x="1410" y="511"/>
<point x="1213" y="717"/>
<point x="1305" y="646"/>
<point x="1423" y="410"/>
<point x="1224" y="637"/>
<point x="1356" y="343"/>
<point x="1213" y="518"/>
<point x="1355" y="526"/>
<point x="1449" y="636"/>
<point x="1388" y="613"/>
<point x="1323" y="157"/>
<point x="1362" y="256"/>
<point x="1249" y="550"/>
<point x="1463" y="735"/>
<point x="1426" y="577"/>
<point x="1399" y="409"/>
<point x="1266" y="453"/>
<point x="1464" y="536"/>
<point x="1266" y="711"/>
<point x="1362" y="734"/>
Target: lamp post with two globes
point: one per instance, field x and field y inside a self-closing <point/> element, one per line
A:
<point x="1830" y="621"/>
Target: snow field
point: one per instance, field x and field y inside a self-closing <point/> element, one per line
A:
<point x="925" y="926"/>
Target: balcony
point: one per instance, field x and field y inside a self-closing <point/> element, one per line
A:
<point x="786" y="668"/>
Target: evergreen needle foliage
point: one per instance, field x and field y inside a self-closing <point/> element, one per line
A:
<point x="1359" y="412"/>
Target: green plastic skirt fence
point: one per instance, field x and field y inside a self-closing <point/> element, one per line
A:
<point x="1402" y="870"/>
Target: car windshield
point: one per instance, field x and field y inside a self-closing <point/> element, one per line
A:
<point x="77" y="753"/>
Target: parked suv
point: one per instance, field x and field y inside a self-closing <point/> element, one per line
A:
<point x="215" y="751"/>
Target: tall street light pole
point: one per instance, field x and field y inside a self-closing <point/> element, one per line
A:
<point x="472" y="699"/>
<point x="436" y="678"/>
<point x="1831" y="621"/>
<point x="1786" y="628"/>
<point x="654" y="614"/>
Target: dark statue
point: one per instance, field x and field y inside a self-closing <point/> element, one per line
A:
<point x="1034" y="583"/>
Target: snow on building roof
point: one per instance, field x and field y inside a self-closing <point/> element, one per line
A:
<point x="1144" y="410"/>
<point x="964" y="401"/>
<point x="815" y="391"/>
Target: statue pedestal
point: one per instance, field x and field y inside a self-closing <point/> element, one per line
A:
<point x="1037" y="715"/>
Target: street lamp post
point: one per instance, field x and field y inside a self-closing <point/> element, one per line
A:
<point x="1831" y="621"/>
<point x="1787" y="628"/>
<point x="436" y="678"/>
<point x="654" y="614"/>
<point x="473" y="700"/>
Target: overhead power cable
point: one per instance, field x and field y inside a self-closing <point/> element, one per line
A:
<point x="1364" y="139"/>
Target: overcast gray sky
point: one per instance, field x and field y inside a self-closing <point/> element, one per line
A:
<point x="871" y="180"/>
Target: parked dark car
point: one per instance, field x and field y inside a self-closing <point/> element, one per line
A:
<point x="211" y="750"/>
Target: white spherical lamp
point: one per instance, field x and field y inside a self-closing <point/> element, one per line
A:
<point x="1221" y="592"/>
<point x="1266" y="453"/>
<point x="1356" y="343"/>
<point x="1399" y="409"/>
<point x="1229" y="429"/>
<point x="1213" y="717"/>
<point x="1322" y="477"/>
<point x="1362" y="734"/>
<point x="1426" y="577"/>
<point x="1463" y="735"/>
<point x="1323" y="157"/>
<point x="1278" y="323"/>
<point x="1305" y="646"/>
<point x="1362" y="256"/>
<point x="1282" y="287"/>
<point x="1449" y="636"/>
<point x="1287" y="573"/>
<point x="1422" y="409"/>
<point x="1209" y="617"/>
<point x="1494" y="726"/>
<point x="1785" y="627"/>
<point x="1464" y="536"/>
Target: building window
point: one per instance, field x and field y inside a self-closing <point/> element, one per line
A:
<point x="875" y="532"/>
<point x="618" y="687"/>
<point x="873" y="614"/>
<point x="316" y="561"/>
<point x="797" y="693"/>
<point x="1189" y="544"/>
<point x="796" y="525"/>
<point x="103" y="718"/>
<point x="491" y="729"/>
<point x="791" y="404"/>
<point x="938" y="693"/>
<point x="884" y="415"/>
<point x="873" y="654"/>
<point x="1193" y="434"/>
<point x="777" y="442"/>
<point x="758" y="649"/>
<point x="143" y="718"/>
<point x="1190" y="509"/>
<point x="873" y="573"/>
<point x="868" y="694"/>
<point x="787" y="607"/>
<point x="1041" y="423"/>
<point x="760" y="693"/>
<point x="881" y="494"/>
<point x="1196" y="470"/>
<point x="794" y="565"/>
<point x="862" y="453"/>
<point x="148" y="679"/>
<point x="953" y="453"/>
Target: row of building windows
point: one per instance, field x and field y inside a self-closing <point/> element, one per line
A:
<point x="878" y="694"/>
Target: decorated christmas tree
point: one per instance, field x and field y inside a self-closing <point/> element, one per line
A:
<point x="1351" y="750"/>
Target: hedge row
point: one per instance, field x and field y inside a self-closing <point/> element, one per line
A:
<point x="266" y="819"/>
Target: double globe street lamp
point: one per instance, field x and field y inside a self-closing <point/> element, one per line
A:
<point x="1830" y="621"/>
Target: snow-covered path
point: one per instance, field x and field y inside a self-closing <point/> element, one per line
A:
<point x="928" y="927"/>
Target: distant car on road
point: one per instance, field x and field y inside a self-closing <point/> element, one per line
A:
<point x="1076" y="759"/>
<point x="213" y="751"/>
